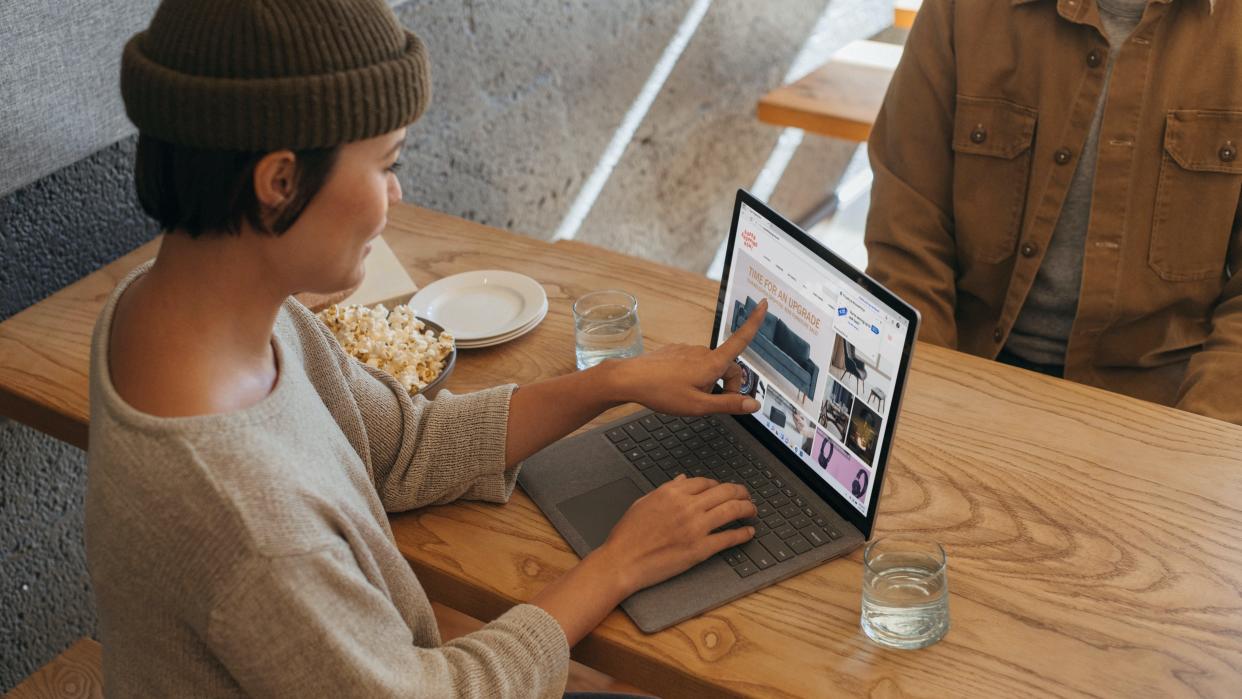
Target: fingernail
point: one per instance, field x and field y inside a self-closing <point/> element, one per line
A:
<point x="750" y="530"/>
<point x="750" y="405"/>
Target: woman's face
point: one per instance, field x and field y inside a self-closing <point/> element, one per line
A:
<point x="323" y="251"/>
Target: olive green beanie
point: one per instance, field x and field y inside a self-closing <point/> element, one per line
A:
<point x="264" y="75"/>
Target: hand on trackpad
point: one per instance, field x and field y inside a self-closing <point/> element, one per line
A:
<point x="594" y="513"/>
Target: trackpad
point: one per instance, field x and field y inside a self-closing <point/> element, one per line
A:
<point x="594" y="513"/>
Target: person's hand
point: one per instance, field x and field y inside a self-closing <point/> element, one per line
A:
<point x="678" y="379"/>
<point x="671" y="529"/>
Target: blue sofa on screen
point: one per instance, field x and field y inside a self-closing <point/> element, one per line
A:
<point x="780" y="347"/>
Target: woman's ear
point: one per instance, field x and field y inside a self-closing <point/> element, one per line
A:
<point x="275" y="179"/>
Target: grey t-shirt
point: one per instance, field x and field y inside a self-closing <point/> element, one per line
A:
<point x="1041" y="332"/>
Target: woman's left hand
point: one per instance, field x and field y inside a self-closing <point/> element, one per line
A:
<point x="678" y="379"/>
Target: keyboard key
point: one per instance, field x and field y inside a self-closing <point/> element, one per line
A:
<point x="656" y="476"/>
<point x="745" y="569"/>
<point x="798" y="544"/>
<point x="644" y="463"/>
<point x="616" y="434"/>
<point x="779" y="501"/>
<point x="693" y="442"/>
<point x="776" y="547"/>
<point x="679" y="452"/>
<point x="626" y="444"/>
<point x="733" y="556"/>
<point x="833" y="533"/>
<point x="789" y="493"/>
<point x="800" y="522"/>
<point x="788" y="511"/>
<point x="658" y="453"/>
<point x="815" y="535"/>
<point x="808" y="512"/>
<point x="800" y="502"/>
<point x="767" y="473"/>
<point x="651" y="422"/>
<point x="761" y="528"/>
<point x="767" y="491"/>
<point x="774" y="521"/>
<point x="636" y="431"/>
<point x="764" y="509"/>
<point x="786" y="532"/>
<point x="699" y="426"/>
<point x="666" y="418"/>
<point x="700" y="472"/>
<point x="650" y="445"/>
<point x="758" y="554"/>
<point x="635" y="454"/>
<point x="661" y="434"/>
<point x="670" y="443"/>
<point x="820" y="520"/>
<point x="748" y="472"/>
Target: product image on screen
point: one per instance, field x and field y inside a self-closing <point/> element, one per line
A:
<point x="824" y="361"/>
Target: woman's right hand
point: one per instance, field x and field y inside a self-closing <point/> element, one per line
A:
<point x="671" y="529"/>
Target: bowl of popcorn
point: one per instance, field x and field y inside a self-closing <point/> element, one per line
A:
<point x="418" y="353"/>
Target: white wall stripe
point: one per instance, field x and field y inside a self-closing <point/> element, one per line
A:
<point x="633" y="118"/>
<point x="810" y="55"/>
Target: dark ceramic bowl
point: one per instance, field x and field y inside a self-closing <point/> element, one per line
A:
<point x="434" y="387"/>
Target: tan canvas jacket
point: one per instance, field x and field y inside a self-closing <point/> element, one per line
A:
<point x="973" y="153"/>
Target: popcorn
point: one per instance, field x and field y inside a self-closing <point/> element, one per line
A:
<point x="394" y="341"/>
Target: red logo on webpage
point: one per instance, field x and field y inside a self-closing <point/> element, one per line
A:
<point x="749" y="241"/>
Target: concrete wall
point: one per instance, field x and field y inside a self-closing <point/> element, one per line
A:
<point x="527" y="96"/>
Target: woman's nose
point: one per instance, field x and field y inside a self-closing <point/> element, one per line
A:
<point x="394" y="190"/>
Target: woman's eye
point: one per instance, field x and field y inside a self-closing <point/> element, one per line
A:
<point x="395" y="166"/>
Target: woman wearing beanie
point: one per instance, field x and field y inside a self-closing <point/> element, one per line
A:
<point x="241" y="466"/>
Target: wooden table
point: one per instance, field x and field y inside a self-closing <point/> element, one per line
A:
<point x="1092" y="538"/>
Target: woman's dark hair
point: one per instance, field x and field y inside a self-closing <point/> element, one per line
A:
<point x="201" y="191"/>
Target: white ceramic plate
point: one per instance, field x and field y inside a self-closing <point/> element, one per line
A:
<point x="489" y="342"/>
<point x="481" y="305"/>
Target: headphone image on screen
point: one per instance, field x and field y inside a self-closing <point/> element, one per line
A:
<point x="825" y="458"/>
<point x="859" y="486"/>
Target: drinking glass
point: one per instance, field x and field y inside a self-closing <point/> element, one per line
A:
<point x="905" y="598"/>
<point x="606" y="327"/>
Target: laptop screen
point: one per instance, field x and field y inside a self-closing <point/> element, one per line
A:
<point x="827" y="362"/>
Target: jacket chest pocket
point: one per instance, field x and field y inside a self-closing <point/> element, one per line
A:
<point x="991" y="167"/>
<point x="1197" y="195"/>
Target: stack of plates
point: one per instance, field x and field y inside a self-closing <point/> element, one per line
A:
<point x="483" y="308"/>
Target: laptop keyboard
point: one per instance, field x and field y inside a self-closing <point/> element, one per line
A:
<point x="786" y="526"/>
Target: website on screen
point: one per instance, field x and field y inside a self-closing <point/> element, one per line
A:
<point x="824" y="362"/>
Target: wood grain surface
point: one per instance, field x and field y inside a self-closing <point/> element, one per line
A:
<point x="75" y="674"/>
<point x="1092" y="538"/>
<point x="840" y="100"/>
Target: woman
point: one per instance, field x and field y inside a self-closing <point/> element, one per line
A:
<point x="241" y="465"/>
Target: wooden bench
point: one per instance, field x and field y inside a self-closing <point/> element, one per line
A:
<point x="841" y="98"/>
<point x="904" y="13"/>
<point x="78" y="672"/>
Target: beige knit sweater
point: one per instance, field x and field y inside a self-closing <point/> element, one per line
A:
<point x="249" y="553"/>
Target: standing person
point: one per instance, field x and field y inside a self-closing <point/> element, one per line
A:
<point x="241" y="466"/>
<point x="1058" y="186"/>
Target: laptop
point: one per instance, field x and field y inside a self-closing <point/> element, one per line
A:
<point x="828" y="367"/>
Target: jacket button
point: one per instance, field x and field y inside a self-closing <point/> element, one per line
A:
<point x="1094" y="59"/>
<point x="979" y="135"/>
<point x="1228" y="152"/>
<point x="1063" y="156"/>
<point x="997" y="334"/>
<point x="1029" y="250"/>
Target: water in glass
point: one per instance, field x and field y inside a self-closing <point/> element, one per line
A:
<point x="606" y="328"/>
<point x="905" y="601"/>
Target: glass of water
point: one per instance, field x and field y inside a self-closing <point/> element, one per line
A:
<point x="905" y="592"/>
<point x="606" y="327"/>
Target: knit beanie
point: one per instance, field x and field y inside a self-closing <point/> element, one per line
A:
<point x="264" y="75"/>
